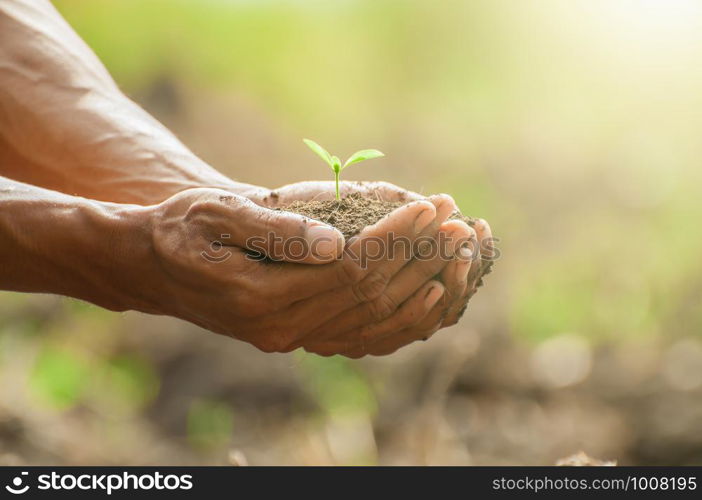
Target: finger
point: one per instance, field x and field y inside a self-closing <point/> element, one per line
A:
<point x="445" y="206"/>
<point x="424" y="329"/>
<point x="486" y="248"/>
<point x="337" y="311"/>
<point x="300" y="282"/>
<point x="479" y="267"/>
<point x="455" y="275"/>
<point x="292" y="284"/>
<point x="338" y="286"/>
<point x="382" y="191"/>
<point x="405" y="283"/>
<point x="293" y="326"/>
<point x="455" y="278"/>
<point x="411" y="312"/>
<point x="277" y="234"/>
<point x="393" y="343"/>
<point x="394" y="235"/>
<point x="370" y="283"/>
<point x="458" y="308"/>
<point x="372" y="272"/>
<point x="484" y="234"/>
<point x="401" y="336"/>
<point x="399" y="255"/>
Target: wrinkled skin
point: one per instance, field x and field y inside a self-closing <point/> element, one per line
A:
<point x="98" y="196"/>
<point x="332" y="308"/>
<point x="460" y="278"/>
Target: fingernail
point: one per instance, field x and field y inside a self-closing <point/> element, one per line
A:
<point x="433" y="295"/>
<point x="464" y="252"/>
<point x="425" y="218"/>
<point x="324" y="241"/>
<point x="443" y="199"/>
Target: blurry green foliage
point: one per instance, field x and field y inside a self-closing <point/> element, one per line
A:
<point x="572" y="127"/>
<point x="338" y="386"/>
<point x="575" y="135"/>
<point x="558" y="300"/>
<point x="210" y="424"/>
<point x="129" y="381"/>
<point x="60" y="377"/>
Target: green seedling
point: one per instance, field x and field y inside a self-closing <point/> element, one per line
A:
<point x="335" y="163"/>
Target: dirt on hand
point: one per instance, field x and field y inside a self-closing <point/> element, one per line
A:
<point x="354" y="212"/>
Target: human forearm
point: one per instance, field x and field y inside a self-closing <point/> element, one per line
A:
<point x="54" y="243"/>
<point x="157" y="259"/>
<point x="62" y="115"/>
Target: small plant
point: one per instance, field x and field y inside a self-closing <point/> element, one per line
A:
<point x="335" y="163"/>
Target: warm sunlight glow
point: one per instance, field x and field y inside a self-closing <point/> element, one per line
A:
<point x="662" y="23"/>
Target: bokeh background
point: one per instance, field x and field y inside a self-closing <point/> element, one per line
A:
<point x="573" y="127"/>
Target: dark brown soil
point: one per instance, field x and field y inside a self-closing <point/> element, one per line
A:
<point x="351" y="214"/>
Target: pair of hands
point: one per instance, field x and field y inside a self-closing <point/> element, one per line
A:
<point x="330" y="303"/>
<point x="102" y="160"/>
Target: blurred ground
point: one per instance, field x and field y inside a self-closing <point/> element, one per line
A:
<point x="572" y="127"/>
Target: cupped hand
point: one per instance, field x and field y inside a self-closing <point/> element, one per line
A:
<point x="458" y="280"/>
<point x="201" y="268"/>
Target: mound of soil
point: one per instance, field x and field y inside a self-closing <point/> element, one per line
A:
<point x="352" y="213"/>
<point x="349" y="215"/>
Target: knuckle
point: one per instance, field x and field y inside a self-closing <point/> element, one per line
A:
<point x="428" y="270"/>
<point x="381" y="308"/>
<point x="267" y="219"/>
<point x="272" y="343"/>
<point x="348" y="272"/>
<point x="434" y="329"/>
<point x="355" y="354"/>
<point x="266" y="346"/>
<point x="285" y="223"/>
<point x="385" y="352"/>
<point x="199" y="207"/>
<point x="450" y="320"/>
<point x="289" y="347"/>
<point x="370" y="288"/>
<point x="321" y="351"/>
<point x="482" y="225"/>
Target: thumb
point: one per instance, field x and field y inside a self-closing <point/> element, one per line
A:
<point x="281" y="235"/>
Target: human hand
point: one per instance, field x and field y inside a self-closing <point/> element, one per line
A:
<point x="200" y="275"/>
<point x="460" y="278"/>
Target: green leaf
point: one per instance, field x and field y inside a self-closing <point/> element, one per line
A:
<point x="323" y="153"/>
<point x="364" y="154"/>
